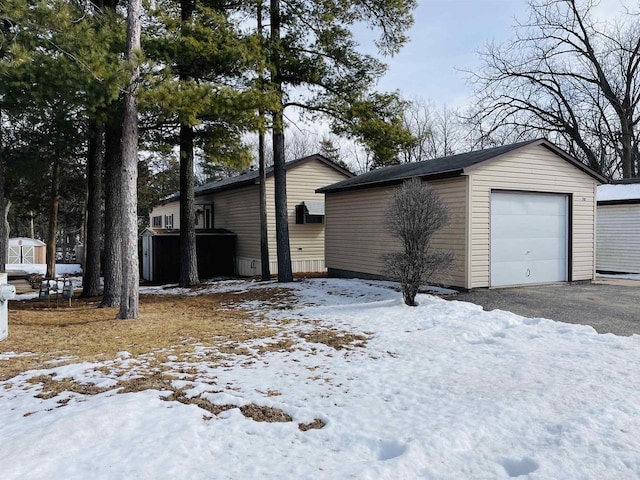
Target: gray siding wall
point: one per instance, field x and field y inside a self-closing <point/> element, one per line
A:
<point x="618" y="238"/>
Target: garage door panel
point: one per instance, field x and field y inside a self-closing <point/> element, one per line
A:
<point x="523" y="227"/>
<point x="528" y="238"/>
<point x="531" y="249"/>
<point x="527" y="204"/>
<point x="522" y="273"/>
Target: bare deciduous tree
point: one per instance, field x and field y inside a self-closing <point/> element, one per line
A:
<point x="436" y="132"/>
<point x="416" y="213"/>
<point x="569" y="77"/>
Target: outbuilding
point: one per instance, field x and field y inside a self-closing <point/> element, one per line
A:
<point x="618" y="227"/>
<point x="26" y="251"/>
<point x="519" y="214"/>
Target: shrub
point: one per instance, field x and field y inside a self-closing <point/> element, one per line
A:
<point x="416" y="213"/>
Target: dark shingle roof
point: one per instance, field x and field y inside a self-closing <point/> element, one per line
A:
<point x="251" y="177"/>
<point x="443" y="167"/>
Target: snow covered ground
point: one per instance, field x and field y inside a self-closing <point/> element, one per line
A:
<point x="41" y="268"/>
<point x="440" y="391"/>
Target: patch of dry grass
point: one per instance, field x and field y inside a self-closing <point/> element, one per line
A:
<point x="189" y="329"/>
<point x="52" y="387"/>
<point x="260" y="413"/>
<point x="316" y="424"/>
<point x="84" y="332"/>
<point x="335" y="339"/>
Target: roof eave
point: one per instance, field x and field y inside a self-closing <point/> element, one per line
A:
<point x="395" y="181"/>
<point x="622" y="201"/>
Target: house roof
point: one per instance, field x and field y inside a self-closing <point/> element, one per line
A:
<point x="252" y="177"/>
<point x="445" y="167"/>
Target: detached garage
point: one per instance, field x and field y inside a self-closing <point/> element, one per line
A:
<point x="519" y="214"/>
<point x="618" y="227"/>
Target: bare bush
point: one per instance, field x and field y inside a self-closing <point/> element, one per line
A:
<point x="416" y="213"/>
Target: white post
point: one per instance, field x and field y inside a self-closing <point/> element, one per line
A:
<point x="7" y="292"/>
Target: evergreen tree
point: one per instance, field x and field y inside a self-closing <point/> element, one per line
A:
<point x="311" y="46"/>
<point x="200" y="94"/>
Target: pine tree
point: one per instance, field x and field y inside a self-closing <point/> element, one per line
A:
<point x="311" y="46"/>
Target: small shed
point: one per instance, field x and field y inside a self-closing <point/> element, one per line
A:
<point x="161" y="254"/>
<point x="26" y="251"/>
<point x="519" y="214"/>
<point x="618" y="227"/>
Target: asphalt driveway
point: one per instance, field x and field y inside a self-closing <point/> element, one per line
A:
<point x="609" y="306"/>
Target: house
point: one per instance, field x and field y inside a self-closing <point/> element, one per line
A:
<point x="518" y="214"/>
<point x="232" y="204"/>
<point x="618" y="227"/>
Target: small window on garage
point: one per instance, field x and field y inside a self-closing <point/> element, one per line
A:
<point x="168" y="221"/>
<point x="310" y="211"/>
<point x="156" y="221"/>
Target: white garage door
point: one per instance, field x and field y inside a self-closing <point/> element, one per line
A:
<point x="529" y="235"/>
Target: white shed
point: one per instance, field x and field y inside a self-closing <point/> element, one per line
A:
<point x="618" y="227"/>
<point x="26" y="251"/>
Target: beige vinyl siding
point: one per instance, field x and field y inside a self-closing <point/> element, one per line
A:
<point x="534" y="169"/>
<point x="172" y="208"/>
<point x="239" y="211"/>
<point x="618" y="232"/>
<point x="356" y="236"/>
<point x="306" y="241"/>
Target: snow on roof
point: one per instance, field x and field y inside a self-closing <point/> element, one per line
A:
<point x="618" y="192"/>
<point x="31" y="242"/>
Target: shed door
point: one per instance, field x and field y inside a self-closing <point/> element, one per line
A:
<point x="529" y="238"/>
<point x="14" y="254"/>
<point x="28" y="254"/>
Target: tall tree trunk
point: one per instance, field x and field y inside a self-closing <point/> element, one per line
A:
<point x="5" y="206"/>
<point x="285" y="273"/>
<point x="628" y="152"/>
<point x="112" y="218"/>
<point x="92" y="244"/>
<point x="4" y="210"/>
<point x="129" y="297"/>
<point x="264" y="232"/>
<point x="262" y="172"/>
<point x="188" y="257"/>
<point x="54" y="203"/>
<point x="188" y="252"/>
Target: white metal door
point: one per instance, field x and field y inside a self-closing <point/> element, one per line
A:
<point x="529" y="238"/>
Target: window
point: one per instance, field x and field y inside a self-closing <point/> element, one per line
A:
<point x="156" y="222"/>
<point x="310" y="211"/>
<point x="204" y="216"/>
<point x="168" y="221"/>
